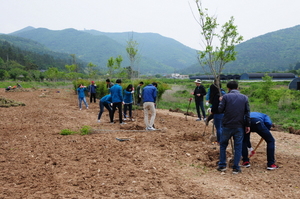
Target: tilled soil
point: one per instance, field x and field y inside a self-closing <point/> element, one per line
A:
<point x="176" y="161"/>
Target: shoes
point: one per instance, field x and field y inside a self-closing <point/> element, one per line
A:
<point x="87" y="107"/>
<point x="123" y="123"/>
<point x="150" y="128"/>
<point x="204" y="119"/>
<point x="124" y="119"/>
<point x="236" y="171"/>
<point x="80" y="109"/>
<point x="246" y="164"/>
<point x="199" y="119"/>
<point x="221" y="169"/>
<point x="98" y="120"/>
<point x="272" y="167"/>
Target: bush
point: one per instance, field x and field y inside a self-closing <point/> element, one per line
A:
<point x="85" y="130"/>
<point x="67" y="132"/>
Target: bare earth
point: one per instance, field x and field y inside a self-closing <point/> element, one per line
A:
<point x="175" y="162"/>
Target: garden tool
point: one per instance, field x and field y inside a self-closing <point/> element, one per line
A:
<point x="254" y="151"/>
<point x="190" y="100"/>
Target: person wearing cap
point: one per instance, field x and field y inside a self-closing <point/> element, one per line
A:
<point x="92" y="91"/>
<point x="117" y="100"/>
<point x="199" y="93"/>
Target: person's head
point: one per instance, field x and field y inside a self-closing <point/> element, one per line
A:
<point x="154" y="84"/>
<point x="80" y="85"/>
<point x="141" y="83"/>
<point x="198" y="82"/>
<point x="129" y="87"/>
<point x="92" y="82"/>
<point x="232" y="85"/>
<point x="119" y="81"/>
<point x="107" y="81"/>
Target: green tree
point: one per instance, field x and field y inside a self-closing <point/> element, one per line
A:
<point x="91" y="69"/>
<point x="52" y="74"/>
<point x="4" y="74"/>
<point x="16" y="72"/>
<point x="70" y="68"/>
<point x="114" y="64"/>
<point x="216" y="56"/>
<point x="266" y="89"/>
<point x="132" y="51"/>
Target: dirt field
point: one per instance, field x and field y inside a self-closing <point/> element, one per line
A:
<point x="176" y="162"/>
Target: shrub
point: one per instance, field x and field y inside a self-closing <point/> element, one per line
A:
<point x="85" y="130"/>
<point x="67" y="132"/>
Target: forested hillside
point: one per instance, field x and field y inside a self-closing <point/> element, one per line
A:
<point x="32" y="54"/>
<point x="157" y="54"/>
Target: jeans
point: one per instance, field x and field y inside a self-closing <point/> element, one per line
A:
<point x="129" y="108"/>
<point x="238" y="135"/>
<point x="84" y="101"/>
<point x="218" y="124"/>
<point x="259" y="127"/>
<point x="115" y="105"/>
<point x="149" y="106"/>
<point x="107" y="106"/>
<point x="199" y="104"/>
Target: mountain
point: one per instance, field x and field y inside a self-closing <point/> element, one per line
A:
<point x="274" y="51"/>
<point x="158" y="54"/>
<point x="28" y="52"/>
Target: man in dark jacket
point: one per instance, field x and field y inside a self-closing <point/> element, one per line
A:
<point x="92" y="91"/>
<point x="199" y="93"/>
<point x="236" y="122"/>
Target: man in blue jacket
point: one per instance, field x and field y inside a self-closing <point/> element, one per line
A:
<point x="105" y="102"/>
<point x="149" y="98"/>
<point x="236" y="122"/>
<point x="261" y="124"/>
<point x="117" y="100"/>
<point x="92" y="91"/>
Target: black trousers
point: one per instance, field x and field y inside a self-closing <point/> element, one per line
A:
<point x="92" y="96"/>
<point x="115" y="105"/>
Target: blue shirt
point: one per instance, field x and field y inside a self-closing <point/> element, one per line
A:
<point x="127" y="97"/>
<point x="80" y="92"/>
<point x="149" y="93"/>
<point x="116" y="93"/>
<point x="263" y="117"/>
<point x="106" y="99"/>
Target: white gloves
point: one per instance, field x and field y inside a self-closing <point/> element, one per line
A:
<point x="207" y="104"/>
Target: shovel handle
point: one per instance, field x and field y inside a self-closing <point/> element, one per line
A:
<point x="253" y="152"/>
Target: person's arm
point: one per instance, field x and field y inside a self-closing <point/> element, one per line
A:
<point x="222" y="105"/>
<point x="267" y="121"/>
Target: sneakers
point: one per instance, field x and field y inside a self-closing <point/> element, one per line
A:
<point x="98" y="120"/>
<point x="221" y="169"/>
<point x="204" y="119"/>
<point x="122" y="123"/>
<point x="236" y="171"/>
<point x="87" y="107"/>
<point x="246" y="164"/>
<point x="80" y="109"/>
<point x="124" y="119"/>
<point x="150" y="128"/>
<point x="199" y="119"/>
<point x="272" y="167"/>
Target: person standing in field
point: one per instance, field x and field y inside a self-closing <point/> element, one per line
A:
<point x="139" y="93"/>
<point x="128" y="101"/>
<point x="105" y="102"/>
<point x="149" y="99"/>
<point x="236" y="122"/>
<point x="81" y="96"/>
<point x="117" y="100"/>
<point x="108" y="84"/>
<point x="199" y="93"/>
<point x="92" y="91"/>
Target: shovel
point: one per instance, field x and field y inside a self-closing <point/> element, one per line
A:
<point x="254" y="151"/>
<point x="187" y="111"/>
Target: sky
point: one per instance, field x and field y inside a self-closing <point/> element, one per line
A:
<point x="175" y="19"/>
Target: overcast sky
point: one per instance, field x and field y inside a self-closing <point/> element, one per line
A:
<point x="170" y="18"/>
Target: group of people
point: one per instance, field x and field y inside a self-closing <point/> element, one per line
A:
<point x="233" y="119"/>
<point x="122" y="100"/>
